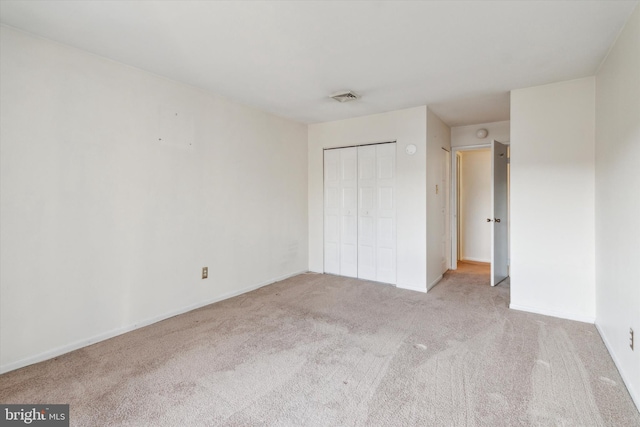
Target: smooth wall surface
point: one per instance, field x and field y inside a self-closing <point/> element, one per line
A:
<point x="438" y="137"/>
<point x="406" y="127"/>
<point x="552" y="199"/>
<point x="463" y="136"/>
<point x="118" y="186"/>
<point x="618" y="202"/>
<point x="475" y="205"/>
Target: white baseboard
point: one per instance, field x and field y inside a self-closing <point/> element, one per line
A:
<point x="420" y="288"/>
<point x="627" y="383"/>
<point x="486" y="261"/>
<point x="435" y="282"/>
<point x="553" y="313"/>
<point x="412" y="288"/>
<point x="58" y="351"/>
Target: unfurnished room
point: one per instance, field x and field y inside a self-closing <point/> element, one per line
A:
<point x="319" y="213"/>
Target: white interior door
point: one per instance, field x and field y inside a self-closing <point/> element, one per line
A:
<point x="340" y="212"/>
<point x="367" y="212"/>
<point x="349" y="212"/>
<point x="332" y="211"/>
<point x="360" y="212"/>
<point x="499" y="197"/>
<point x="386" y="213"/>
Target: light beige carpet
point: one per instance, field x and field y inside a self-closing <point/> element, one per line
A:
<point x="325" y="350"/>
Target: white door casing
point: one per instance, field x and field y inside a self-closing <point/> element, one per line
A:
<point x="499" y="200"/>
<point x="445" y="203"/>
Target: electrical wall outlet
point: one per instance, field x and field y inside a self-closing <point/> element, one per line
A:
<point x="631" y="338"/>
<point x="205" y="272"/>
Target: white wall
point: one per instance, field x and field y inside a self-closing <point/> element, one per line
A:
<point x="104" y="227"/>
<point x="438" y="137"/>
<point x="406" y="127"/>
<point x="552" y="199"/>
<point x="462" y="136"/>
<point x="618" y="202"/>
<point x="475" y="205"/>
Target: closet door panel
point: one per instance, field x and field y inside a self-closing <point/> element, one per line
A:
<point x="349" y="211"/>
<point x="367" y="212"/>
<point x="332" y="212"/>
<point x="386" y="213"/>
<point x="360" y="212"/>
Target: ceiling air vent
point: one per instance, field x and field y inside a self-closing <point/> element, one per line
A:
<point x="345" y="96"/>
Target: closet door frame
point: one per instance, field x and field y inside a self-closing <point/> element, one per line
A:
<point x="366" y="205"/>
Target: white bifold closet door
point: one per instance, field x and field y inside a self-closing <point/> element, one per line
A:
<point x="341" y="211"/>
<point x="361" y="242"/>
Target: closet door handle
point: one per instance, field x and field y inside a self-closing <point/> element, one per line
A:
<point x="497" y="219"/>
<point x="489" y="220"/>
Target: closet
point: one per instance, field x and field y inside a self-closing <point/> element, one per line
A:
<point x="360" y="212"/>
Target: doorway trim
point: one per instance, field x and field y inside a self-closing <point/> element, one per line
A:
<point x="453" y="211"/>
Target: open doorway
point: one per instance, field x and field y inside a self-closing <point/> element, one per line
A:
<point x="474" y="206"/>
<point x="479" y="210"/>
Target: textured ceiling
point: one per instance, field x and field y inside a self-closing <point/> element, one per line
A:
<point x="459" y="57"/>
